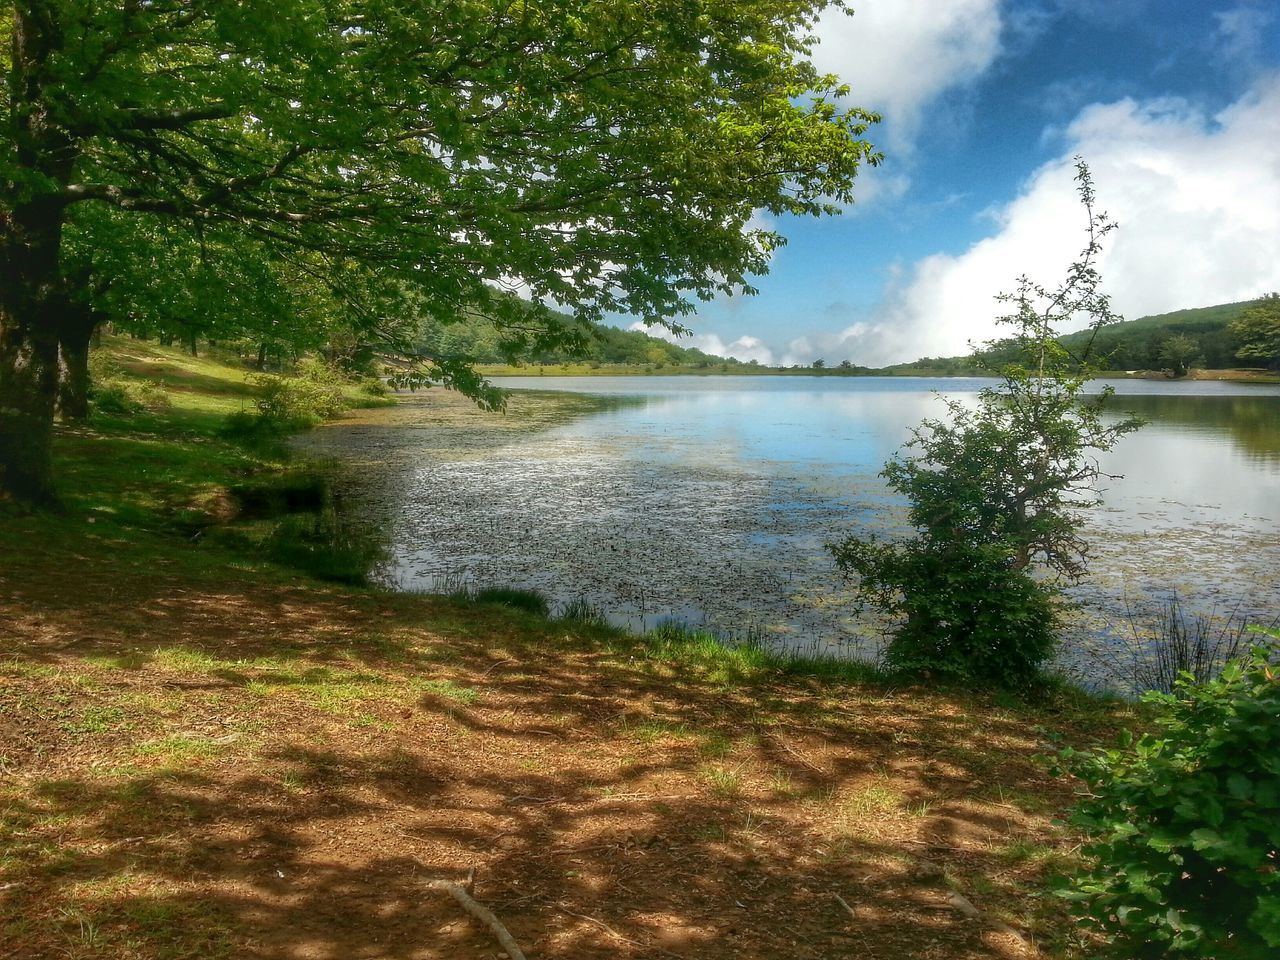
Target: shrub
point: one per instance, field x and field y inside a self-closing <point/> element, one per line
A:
<point x="966" y="612"/>
<point x="1185" y="826"/>
<point x="314" y="394"/>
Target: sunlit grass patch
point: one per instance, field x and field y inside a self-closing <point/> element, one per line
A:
<point x="448" y="689"/>
<point x="725" y="782"/>
<point x="730" y="663"/>
<point x="187" y="660"/>
<point x="178" y="750"/>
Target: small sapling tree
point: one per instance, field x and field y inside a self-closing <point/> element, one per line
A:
<point x="997" y="493"/>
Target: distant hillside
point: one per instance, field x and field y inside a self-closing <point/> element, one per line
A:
<point x="1128" y="345"/>
<point x="1137" y="344"/>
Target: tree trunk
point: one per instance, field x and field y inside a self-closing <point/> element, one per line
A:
<point x="262" y="356"/>
<point x="33" y="303"/>
<point x="28" y="391"/>
<point x="76" y="333"/>
<point x="33" y="306"/>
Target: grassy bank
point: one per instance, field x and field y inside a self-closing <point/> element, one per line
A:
<point x="208" y="753"/>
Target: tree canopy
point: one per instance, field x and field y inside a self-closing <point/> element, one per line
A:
<point x="396" y="154"/>
<point x="1258" y="328"/>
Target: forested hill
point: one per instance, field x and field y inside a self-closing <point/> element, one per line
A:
<point x="1142" y="344"/>
<point x="1201" y="337"/>
<point x="482" y="343"/>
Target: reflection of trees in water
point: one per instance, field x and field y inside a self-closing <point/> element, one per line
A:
<point x="1253" y="422"/>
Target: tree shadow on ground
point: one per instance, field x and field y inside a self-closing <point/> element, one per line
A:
<point x="257" y="769"/>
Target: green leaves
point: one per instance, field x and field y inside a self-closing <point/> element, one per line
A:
<point x="1259" y="330"/>
<point x="1189" y="821"/>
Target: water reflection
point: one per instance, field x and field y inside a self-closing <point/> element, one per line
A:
<point x="710" y="499"/>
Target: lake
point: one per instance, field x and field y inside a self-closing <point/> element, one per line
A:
<point x="709" y="500"/>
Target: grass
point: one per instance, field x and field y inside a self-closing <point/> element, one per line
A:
<point x="447" y="689"/>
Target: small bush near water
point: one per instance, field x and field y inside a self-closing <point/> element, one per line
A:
<point x="1185" y="825"/>
<point x="996" y="492"/>
<point x="966" y="614"/>
<point x="312" y="395"/>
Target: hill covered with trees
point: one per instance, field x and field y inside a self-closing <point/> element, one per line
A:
<point x="1224" y="336"/>
<point x="1201" y="337"/>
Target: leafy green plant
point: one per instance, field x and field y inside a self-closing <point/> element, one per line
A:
<point x="965" y="611"/>
<point x="1184" y="826"/>
<point x="312" y="395"/>
<point x="996" y="491"/>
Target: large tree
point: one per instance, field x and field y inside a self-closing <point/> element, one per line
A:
<point x="604" y="155"/>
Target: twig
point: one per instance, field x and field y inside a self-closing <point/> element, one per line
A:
<point x="841" y="900"/>
<point x="495" y="666"/>
<point x="787" y="747"/>
<point x="481" y="913"/>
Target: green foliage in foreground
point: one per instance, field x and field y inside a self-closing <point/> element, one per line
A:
<point x="1185" y="825"/>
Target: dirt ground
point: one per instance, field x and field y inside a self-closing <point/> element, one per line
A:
<point x="202" y="762"/>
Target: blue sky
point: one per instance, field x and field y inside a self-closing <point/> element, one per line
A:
<point x="1175" y="105"/>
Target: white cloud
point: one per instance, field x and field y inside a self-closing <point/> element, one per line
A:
<point x="1197" y="199"/>
<point x="899" y="55"/>
<point x="744" y="348"/>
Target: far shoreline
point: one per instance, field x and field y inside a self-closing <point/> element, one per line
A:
<point x="1240" y="375"/>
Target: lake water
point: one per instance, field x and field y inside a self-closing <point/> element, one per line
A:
<point x="709" y="500"/>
